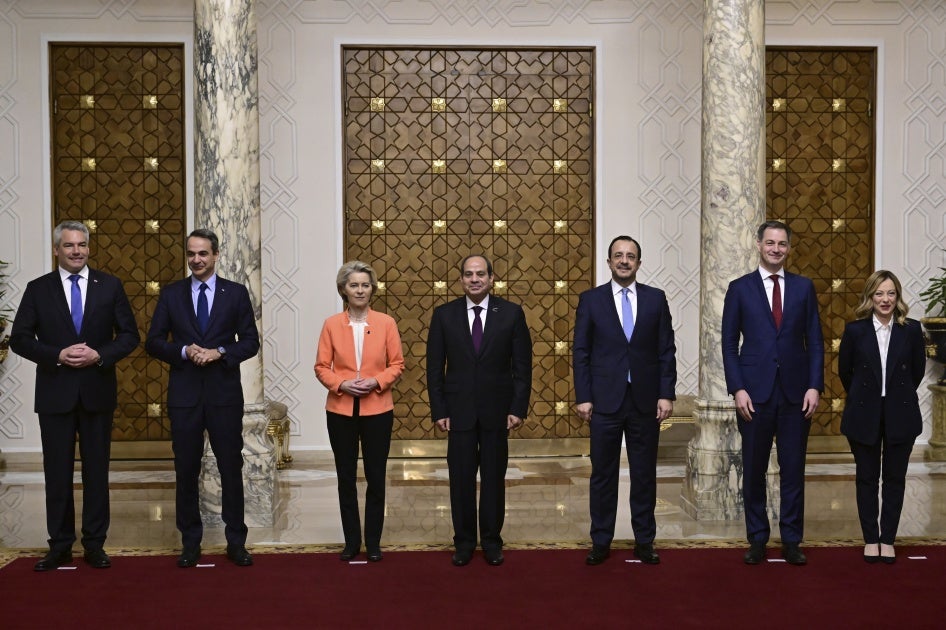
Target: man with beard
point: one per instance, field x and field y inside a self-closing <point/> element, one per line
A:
<point x="203" y="327"/>
<point x="625" y="368"/>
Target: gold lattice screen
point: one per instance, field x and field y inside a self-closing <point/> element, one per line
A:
<point x="456" y="151"/>
<point x="118" y="165"/>
<point x="820" y="170"/>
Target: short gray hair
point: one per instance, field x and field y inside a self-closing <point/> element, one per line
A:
<point x="75" y="226"/>
<point x="354" y="266"/>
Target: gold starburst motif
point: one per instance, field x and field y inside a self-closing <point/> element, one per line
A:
<point x="438" y="104"/>
<point x="377" y="104"/>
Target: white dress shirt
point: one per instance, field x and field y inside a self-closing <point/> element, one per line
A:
<point x="883" y="344"/>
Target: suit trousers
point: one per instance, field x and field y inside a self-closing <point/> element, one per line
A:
<point x="488" y="451"/>
<point x="641" y="433"/>
<point x="224" y="427"/>
<point x="869" y="461"/>
<point x="784" y="422"/>
<point x="58" y="434"/>
<point x="374" y="434"/>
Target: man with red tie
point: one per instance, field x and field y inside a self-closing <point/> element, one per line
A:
<point x="776" y="377"/>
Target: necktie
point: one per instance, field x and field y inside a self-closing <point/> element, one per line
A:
<point x="203" y="311"/>
<point x="76" y="305"/>
<point x="477" y="331"/>
<point x="627" y="313"/>
<point x="776" y="301"/>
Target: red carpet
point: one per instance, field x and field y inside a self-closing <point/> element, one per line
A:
<point x="707" y="588"/>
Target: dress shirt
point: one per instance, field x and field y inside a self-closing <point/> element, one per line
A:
<point x="211" y="283"/>
<point x="470" y="315"/>
<point x="619" y="299"/>
<point x="358" y="330"/>
<point x="67" y="285"/>
<point x="770" y="285"/>
<point x="883" y="343"/>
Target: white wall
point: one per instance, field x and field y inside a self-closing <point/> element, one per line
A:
<point x="648" y="143"/>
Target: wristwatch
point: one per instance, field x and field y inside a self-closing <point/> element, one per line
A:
<point x="222" y="350"/>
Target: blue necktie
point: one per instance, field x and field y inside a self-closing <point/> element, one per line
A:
<point x="76" y="306"/>
<point x="203" y="311"/>
<point x="477" y="331"/>
<point x="627" y="313"/>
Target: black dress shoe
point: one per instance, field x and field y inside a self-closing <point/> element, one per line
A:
<point x="239" y="556"/>
<point x="888" y="559"/>
<point x="647" y="554"/>
<point x="871" y="559"/>
<point x="349" y="553"/>
<point x="756" y="554"/>
<point x="97" y="559"/>
<point x="494" y="557"/>
<point x="461" y="558"/>
<point x="597" y="555"/>
<point x="375" y="555"/>
<point x="793" y="555"/>
<point x="53" y="560"/>
<point x="189" y="557"/>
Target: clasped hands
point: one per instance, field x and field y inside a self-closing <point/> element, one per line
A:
<point x="79" y="356"/>
<point x="358" y="387"/>
<point x="202" y="356"/>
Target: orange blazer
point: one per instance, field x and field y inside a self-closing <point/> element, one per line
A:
<point x="381" y="358"/>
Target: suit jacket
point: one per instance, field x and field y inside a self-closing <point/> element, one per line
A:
<point x="232" y="326"/>
<point x="43" y="327"/>
<point x="860" y="372"/>
<point x="381" y="359"/>
<point x="468" y="387"/>
<point x="795" y="351"/>
<point x="602" y="355"/>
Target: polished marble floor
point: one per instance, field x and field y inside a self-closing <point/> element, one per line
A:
<point x="547" y="504"/>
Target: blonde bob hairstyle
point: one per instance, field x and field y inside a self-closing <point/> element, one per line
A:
<point x="866" y="307"/>
<point x="354" y="266"/>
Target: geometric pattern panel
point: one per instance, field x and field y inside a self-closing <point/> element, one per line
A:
<point x="820" y="181"/>
<point x="118" y="160"/>
<point x="453" y="151"/>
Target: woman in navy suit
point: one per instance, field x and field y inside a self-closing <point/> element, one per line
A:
<point x="881" y="363"/>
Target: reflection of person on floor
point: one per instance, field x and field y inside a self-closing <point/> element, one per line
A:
<point x="203" y="327"/>
<point x="359" y="359"/>
<point x="625" y="375"/>
<point x="479" y="379"/>
<point x="75" y="323"/>
<point x="881" y="362"/>
<point x="776" y="376"/>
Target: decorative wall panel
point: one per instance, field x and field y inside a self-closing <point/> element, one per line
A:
<point x="454" y="151"/>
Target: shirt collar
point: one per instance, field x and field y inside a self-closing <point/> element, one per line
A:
<point x="211" y="283"/>
<point x="617" y="288"/>
<point x="84" y="273"/>
<point x="766" y="273"/>
<point x="484" y="303"/>
<point x="878" y="324"/>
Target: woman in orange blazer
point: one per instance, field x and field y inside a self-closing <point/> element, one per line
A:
<point x="359" y="359"/>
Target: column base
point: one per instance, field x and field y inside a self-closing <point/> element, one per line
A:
<point x="936" y="452"/>
<point x="260" y="464"/>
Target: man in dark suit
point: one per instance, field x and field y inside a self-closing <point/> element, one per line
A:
<point x="203" y="327"/>
<point x="75" y="323"/>
<point x="479" y="379"/>
<point x="776" y="377"/>
<point x="625" y="369"/>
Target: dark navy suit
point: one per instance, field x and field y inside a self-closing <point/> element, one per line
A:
<point x="881" y="429"/>
<point x="206" y="397"/>
<point x="776" y="366"/>
<point x="477" y="391"/>
<point x="602" y="357"/>
<point x="75" y="400"/>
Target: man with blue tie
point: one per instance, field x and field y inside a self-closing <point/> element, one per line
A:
<point x="203" y="327"/>
<point x="625" y="369"/>
<point x="75" y="323"/>
<point x="776" y="377"/>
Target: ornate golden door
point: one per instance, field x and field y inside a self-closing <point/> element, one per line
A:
<point x="820" y="169"/>
<point x="454" y="151"/>
<point x="118" y="165"/>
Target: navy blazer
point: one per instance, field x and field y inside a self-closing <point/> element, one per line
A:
<point x="43" y="327"/>
<point x="484" y="388"/>
<point x="602" y="355"/>
<point x="232" y="326"/>
<point x="860" y="372"/>
<point x="795" y="351"/>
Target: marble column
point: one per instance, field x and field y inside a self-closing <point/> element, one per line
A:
<point x="733" y="205"/>
<point x="936" y="451"/>
<point x="227" y="200"/>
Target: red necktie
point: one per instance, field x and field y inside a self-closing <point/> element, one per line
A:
<point x="776" y="301"/>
